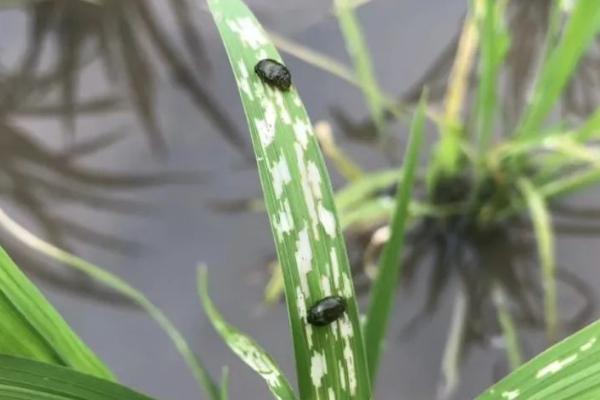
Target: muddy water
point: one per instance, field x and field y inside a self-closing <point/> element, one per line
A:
<point x="180" y="226"/>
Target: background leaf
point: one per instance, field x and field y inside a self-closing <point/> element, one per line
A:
<point x="545" y="242"/>
<point x="568" y="370"/>
<point x="579" y="31"/>
<point x="32" y="328"/>
<point x="250" y="352"/>
<point x="32" y="380"/>
<point x="194" y="362"/>
<point x="386" y="283"/>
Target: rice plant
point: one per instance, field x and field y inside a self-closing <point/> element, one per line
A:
<point x="478" y="185"/>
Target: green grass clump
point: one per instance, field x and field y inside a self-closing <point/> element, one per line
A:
<point x="475" y="182"/>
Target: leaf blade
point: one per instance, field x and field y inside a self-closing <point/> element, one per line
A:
<point x="565" y="371"/>
<point x="40" y="381"/>
<point x="381" y="301"/>
<point x="37" y="330"/>
<point x="302" y="213"/>
<point x="579" y="31"/>
<point x="243" y="346"/>
<point x="545" y="242"/>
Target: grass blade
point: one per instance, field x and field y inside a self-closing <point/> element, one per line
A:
<point x="363" y="189"/>
<point x="590" y="129"/>
<point x="225" y="384"/>
<point x="194" y="363"/>
<point x="509" y="331"/>
<point x="330" y="361"/>
<point x="245" y="348"/>
<point x="22" y="379"/>
<point x="32" y="328"/>
<point x="454" y="347"/>
<point x="447" y="152"/>
<point x="358" y="50"/>
<point x="384" y="287"/>
<point x="494" y="47"/>
<point x="545" y="242"/>
<point x="568" y="370"/>
<point x="581" y="28"/>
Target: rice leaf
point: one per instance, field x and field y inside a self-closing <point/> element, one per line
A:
<point x="30" y="240"/>
<point x="365" y="188"/>
<point x="494" y="46"/>
<point x="358" y="50"/>
<point x="385" y="285"/>
<point x="571" y="183"/>
<point x="447" y="152"/>
<point x="545" y="242"/>
<point x="225" y="384"/>
<point x="330" y="360"/>
<point x="22" y="379"/>
<point x="580" y="30"/>
<point x="32" y="328"/>
<point x="567" y="370"/>
<point x="513" y="349"/>
<point x="314" y="58"/>
<point x="590" y="129"/>
<point x="245" y="348"/>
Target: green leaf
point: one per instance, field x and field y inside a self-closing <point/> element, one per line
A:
<point x="27" y="238"/>
<point x="580" y="30"/>
<point x="32" y="328"/>
<point x="357" y="48"/>
<point x="22" y="379"/>
<point x="545" y="243"/>
<point x="330" y="361"/>
<point x="245" y="348"/>
<point x="590" y="129"/>
<point x="568" y="370"/>
<point x="509" y="331"/>
<point x="363" y="189"/>
<point x="494" y="46"/>
<point x="385" y="285"/>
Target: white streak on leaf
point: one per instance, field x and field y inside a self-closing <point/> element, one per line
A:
<point x="327" y="220"/>
<point x="257" y="360"/>
<point x="347" y="287"/>
<point x="325" y="285"/>
<point x="283" y="111"/>
<point x="318" y="368"/>
<point x="281" y="175"/>
<point x="314" y="178"/>
<point x="262" y="54"/>
<point x="284" y="222"/>
<point x="335" y="267"/>
<point x="302" y="130"/>
<point x="511" y="395"/>
<point x="304" y="259"/>
<point x="301" y="304"/>
<point x="347" y="333"/>
<point x="306" y="191"/>
<point x="249" y="32"/>
<point x="259" y="89"/>
<point x="244" y="79"/>
<point x="342" y="376"/>
<point x="266" y="125"/>
<point x="588" y="345"/>
<point x="555" y="366"/>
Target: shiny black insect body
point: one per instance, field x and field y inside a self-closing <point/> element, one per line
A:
<point x="326" y="310"/>
<point x="274" y="73"/>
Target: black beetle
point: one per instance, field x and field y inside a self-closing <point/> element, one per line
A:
<point x="326" y="310"/>
<point x="274" y="73"/>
